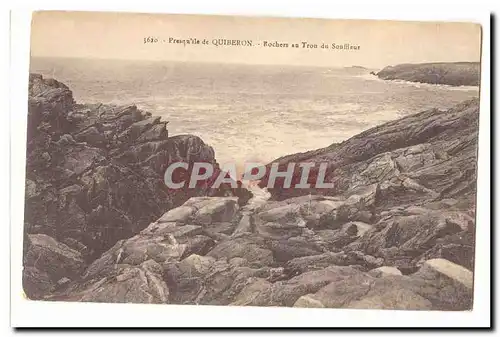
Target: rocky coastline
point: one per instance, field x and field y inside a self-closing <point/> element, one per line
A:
<point x="453" y="74"/>
<point x="395" y="232"/>
<point x="94" y="171"/>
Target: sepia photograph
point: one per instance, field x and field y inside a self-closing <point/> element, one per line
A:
<point x="251" y="161"/>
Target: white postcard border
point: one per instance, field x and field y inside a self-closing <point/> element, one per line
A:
<point x="26" y="313"/>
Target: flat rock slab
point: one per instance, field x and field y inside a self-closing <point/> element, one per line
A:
<point x="451" y="270"/>
<point x="218" y="210"/>
<point x="384" y="271"/>
<point x="180" y="214"/>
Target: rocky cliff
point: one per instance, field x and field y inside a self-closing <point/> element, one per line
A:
<point x="94" y="174"/>
<point x="455" y="74"/>
<point x="396" y="232"/>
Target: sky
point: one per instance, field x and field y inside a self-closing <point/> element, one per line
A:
<point x="121" y="36"/>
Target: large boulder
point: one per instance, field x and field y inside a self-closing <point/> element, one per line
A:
<point x="217" y="210"/>
<point x="142" y="283"/>
<point x="250" y="247"/>
<point x="47" y="261"/>
<point x="438" y="285"/>
<point x="285" y="293"/>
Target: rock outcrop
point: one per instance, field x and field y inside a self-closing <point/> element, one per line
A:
<point x="180" y="259"/>
<point x="412" y="182"/>
<point x="395" y="232"/>
<point x="94" y="172"/>
<point x="455" y="74"/>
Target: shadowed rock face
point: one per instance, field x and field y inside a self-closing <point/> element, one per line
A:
<point x="94" y="172"/>
<point x="455" y="74"/>
<point x="395" y="232"/>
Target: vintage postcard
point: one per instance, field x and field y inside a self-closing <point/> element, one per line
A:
<point x="251" y="161"/>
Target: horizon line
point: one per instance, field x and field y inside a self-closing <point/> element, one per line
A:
<point x="199" y="62"/>
<point x="237" y="63"/>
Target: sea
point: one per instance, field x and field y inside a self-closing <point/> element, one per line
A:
<point x="252" y="113"/>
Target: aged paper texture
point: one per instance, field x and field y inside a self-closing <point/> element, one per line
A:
<point x="250" y="161"/>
